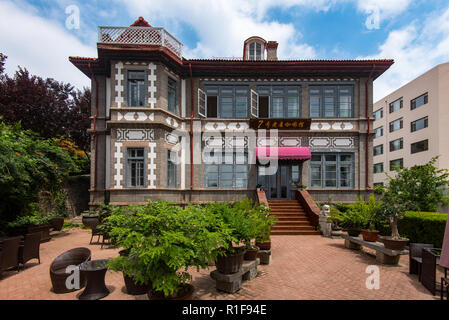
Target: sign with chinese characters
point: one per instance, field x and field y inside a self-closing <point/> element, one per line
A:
<point x="281" y="124"/>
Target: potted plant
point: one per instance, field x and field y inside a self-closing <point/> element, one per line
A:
<point x="267" y="221"/>
<point x="234" y="215"/>
<point x="369" y="211"/>
<point x="352" y="221"/>
<point x="161" y="241"/>
<point x="35" y="222"/>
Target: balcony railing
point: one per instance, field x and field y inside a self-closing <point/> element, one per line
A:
<point x="140" y="35"/>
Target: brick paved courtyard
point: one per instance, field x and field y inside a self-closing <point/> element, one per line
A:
<point x="302" y="267"/>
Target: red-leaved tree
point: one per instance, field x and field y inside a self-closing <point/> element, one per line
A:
<point x="45" y="106"/>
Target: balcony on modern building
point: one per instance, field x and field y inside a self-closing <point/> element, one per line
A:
<point x="140" y="35"/>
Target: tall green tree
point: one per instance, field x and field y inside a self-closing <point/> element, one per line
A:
<point x="418" y="188"/>
<point x="2" y="63"/>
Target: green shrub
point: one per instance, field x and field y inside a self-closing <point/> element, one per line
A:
<point x="419" y="227"/>
<point x="28" y="165"/>
<point x="163" y="240"/>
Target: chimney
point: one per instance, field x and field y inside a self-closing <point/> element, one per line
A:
<point x="272" y="50"/>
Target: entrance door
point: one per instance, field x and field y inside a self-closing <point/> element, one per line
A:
<point x="279" y="184"/>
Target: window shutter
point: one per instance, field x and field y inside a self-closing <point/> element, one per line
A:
<point x="202" y="103"/>
<point x="254" y="104"/>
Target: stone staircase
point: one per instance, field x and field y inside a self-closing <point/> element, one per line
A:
<point x="291" y="218"/>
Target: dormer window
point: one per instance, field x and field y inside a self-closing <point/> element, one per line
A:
<point x="255" y="51"/>
<point x="254" y="48"/>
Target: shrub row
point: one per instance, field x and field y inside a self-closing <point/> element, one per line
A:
<point x="420" y="227"/>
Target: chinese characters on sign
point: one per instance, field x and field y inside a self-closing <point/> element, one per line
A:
<point x="281" y="124"/>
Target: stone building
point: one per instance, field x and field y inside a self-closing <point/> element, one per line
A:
<point x="198" y="130"/>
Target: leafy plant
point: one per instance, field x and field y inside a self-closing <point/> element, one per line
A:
<point x="28" y="165"/>
<point x="163" y="241"/>
<point x="419" y="188"/>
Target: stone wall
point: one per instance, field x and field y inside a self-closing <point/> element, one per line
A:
<point x="77" y="189"/>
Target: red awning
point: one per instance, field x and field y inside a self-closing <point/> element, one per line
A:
<point x="302" y="153"/>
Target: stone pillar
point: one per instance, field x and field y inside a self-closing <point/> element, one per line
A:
<point x="326" y="227"/>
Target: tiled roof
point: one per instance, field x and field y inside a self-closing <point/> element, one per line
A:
<point x="141" y="22"/>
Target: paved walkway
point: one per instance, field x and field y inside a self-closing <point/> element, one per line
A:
<point x="303" y="267"/>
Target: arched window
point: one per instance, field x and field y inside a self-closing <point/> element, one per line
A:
<point x="255" y="51"/>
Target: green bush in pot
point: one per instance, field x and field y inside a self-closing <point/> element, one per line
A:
<point x="163" y="241"/>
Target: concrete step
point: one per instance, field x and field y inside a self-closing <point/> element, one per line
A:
<point x="294" y="233"/>
<point x="292" y="227"/>
<point x="292" y="223"/>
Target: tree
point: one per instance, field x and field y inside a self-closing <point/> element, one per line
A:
<point x="2" y="63"/>
<point x="46" y="106"/>
<point x="419" y="188"/>
<point x="28" y="165"/>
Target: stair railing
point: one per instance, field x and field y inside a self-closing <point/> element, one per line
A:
<point x="311" y="209"/>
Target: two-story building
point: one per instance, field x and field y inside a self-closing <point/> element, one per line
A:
<point x="197" y="130"/>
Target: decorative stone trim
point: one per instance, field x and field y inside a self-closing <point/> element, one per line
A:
<point x="119" y="88"/>
<point x="118" y="166"/>
<point x="135" y="134"/>
<point x="290" y="142"/>
<point x="172" y="122"/>
<point x="152" y="165"/>
<point x="152" y="85"/>
<point x="323" y="126"/>
<point x="221" y="126"/>
<point x="326" y="142"/>
<point x="267" y="142"/>
<point x="135" y="116"/>
<point x="171" y="139"/>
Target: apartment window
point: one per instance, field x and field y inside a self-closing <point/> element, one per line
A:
<point x="225" y="102"/>
<point x="379" y="114"/>
<point x="418" y="102"/>
<point x="172" y="95"/>
<point x="331" y="170"/>
<point x="379" y="132"/>
<point x="419" y="124"/>
<point x="398" y="163"/>
<point x="396" y="125"/>
<point x="285" y="101"/>
<point x="135" y="168"/>
<point x="331" y="101"/>
<point x="397" y="144"/>
<point x="420" y="146"/>
<point x="396" y="105"/>
<point x="379" y="167"/>
<point x="226" y="170"/>
<point x="378" y="150"/>
<point x="172" y="160"/>
<point x="136" y="88"/>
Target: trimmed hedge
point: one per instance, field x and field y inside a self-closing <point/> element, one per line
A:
<point x="420" y="227"/>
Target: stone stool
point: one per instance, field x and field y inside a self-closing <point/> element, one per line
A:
<point x="231" y="283"/>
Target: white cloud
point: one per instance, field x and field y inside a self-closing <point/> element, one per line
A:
<point x="222" y="26"/>
<point x="415" y="48"/>
<point x="387" y="8"/>
<point x="40" y="45"/>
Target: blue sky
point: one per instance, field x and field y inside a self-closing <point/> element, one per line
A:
<point x="415" y="33"/>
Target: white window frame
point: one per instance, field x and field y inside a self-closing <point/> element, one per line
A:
<point x="254" y="103"/>
<point x="203" y="94"/>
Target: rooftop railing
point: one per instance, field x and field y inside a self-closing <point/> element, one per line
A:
<point x="140" y="35"/>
